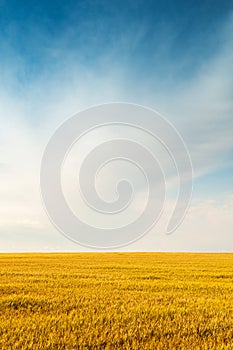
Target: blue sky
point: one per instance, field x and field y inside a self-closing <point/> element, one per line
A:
<point x="165" y="40"/>
<point x="59" y="57"/>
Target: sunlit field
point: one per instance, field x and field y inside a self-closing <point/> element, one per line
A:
<point x="116" y="301"/>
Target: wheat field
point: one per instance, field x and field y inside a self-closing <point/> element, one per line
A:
<point x="116" y="301"/>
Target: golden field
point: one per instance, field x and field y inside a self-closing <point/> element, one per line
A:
<point x="116" y="301"/>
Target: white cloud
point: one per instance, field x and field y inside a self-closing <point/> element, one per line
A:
<point x="201" y="109"/>
<point x="207" y="227"/>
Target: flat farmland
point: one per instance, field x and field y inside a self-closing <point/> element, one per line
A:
<point x="116" y="301"/>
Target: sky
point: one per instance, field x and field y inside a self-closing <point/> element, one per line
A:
<point x="58" y="58"/>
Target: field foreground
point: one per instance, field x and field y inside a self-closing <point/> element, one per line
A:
<point x="116" y="301"/>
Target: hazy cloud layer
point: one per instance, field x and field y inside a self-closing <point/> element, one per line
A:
<point x="200" y="106"/>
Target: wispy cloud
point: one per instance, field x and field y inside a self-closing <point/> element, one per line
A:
<point x="200" y="106"/>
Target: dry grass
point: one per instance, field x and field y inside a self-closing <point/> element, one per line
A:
<point x="116" y="301"/>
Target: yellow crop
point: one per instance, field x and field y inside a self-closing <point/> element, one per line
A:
<point x="116" y="301"/>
